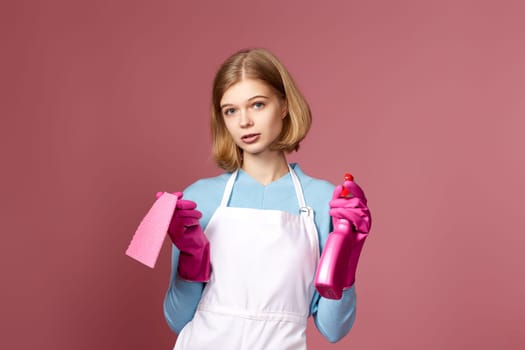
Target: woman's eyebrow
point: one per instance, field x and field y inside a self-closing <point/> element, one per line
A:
<point x="257" y="96"/>
<point x="251" y="98"/>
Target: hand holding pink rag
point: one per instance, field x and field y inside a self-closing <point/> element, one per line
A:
<point x="187" y="235"/>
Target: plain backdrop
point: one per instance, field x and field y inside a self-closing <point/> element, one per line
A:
<point x="104" y="103"/>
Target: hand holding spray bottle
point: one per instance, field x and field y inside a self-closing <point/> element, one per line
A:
<point x="338" y="262"/>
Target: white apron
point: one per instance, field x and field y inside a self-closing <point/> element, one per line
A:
<point x="261" y="285"/>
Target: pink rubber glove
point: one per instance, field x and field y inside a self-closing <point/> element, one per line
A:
<point x="354" y="210"/>
<point x="186" y="233"/>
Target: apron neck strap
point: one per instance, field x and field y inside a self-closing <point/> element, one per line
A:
<point x="297" y="185"/>
<point x="298" y="188"/>
<point x="228" y="189"/>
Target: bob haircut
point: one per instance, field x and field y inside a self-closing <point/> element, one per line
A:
<point x="262" y="65"/>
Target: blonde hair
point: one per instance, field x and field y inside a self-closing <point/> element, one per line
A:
<point x="262" y="65"/>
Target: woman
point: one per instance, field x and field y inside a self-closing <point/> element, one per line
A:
<point x="265" y="220"/>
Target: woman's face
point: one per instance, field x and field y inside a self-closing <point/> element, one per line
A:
<point x="253" y="114"/>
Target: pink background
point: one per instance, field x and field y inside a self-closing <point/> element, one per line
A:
<point x="105" y="103"/>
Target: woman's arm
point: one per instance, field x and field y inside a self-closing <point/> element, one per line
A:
<point x="335" y="318"/>
<point x="182" y="297"/>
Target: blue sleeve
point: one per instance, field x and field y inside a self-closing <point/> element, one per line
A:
<point x="333" y="318"/>
<point x="182" y="297"/>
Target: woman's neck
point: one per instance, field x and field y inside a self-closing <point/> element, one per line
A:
<point x="265" y="169"/>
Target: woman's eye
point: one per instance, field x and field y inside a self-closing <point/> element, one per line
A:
<point x="258" y="105"/>
<point x="229" y="111"/>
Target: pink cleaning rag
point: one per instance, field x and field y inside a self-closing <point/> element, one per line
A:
<point x="149" y="237"/>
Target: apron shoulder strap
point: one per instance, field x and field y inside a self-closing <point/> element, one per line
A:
<point x="304" y="210"/>
<point x="298" y="188"/>
<point x="228" y="189"/>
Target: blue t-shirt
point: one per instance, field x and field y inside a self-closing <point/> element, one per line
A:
<point x="333" y="318"/>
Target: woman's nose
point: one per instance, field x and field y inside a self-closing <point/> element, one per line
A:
<point x="245" y="119"/>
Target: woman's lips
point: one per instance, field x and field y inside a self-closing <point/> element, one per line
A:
<point x="250" y="138"/>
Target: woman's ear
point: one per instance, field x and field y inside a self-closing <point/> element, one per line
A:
<point x="284" y="108"/>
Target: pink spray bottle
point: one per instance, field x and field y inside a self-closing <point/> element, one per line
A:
<point x="332" y="271"/>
